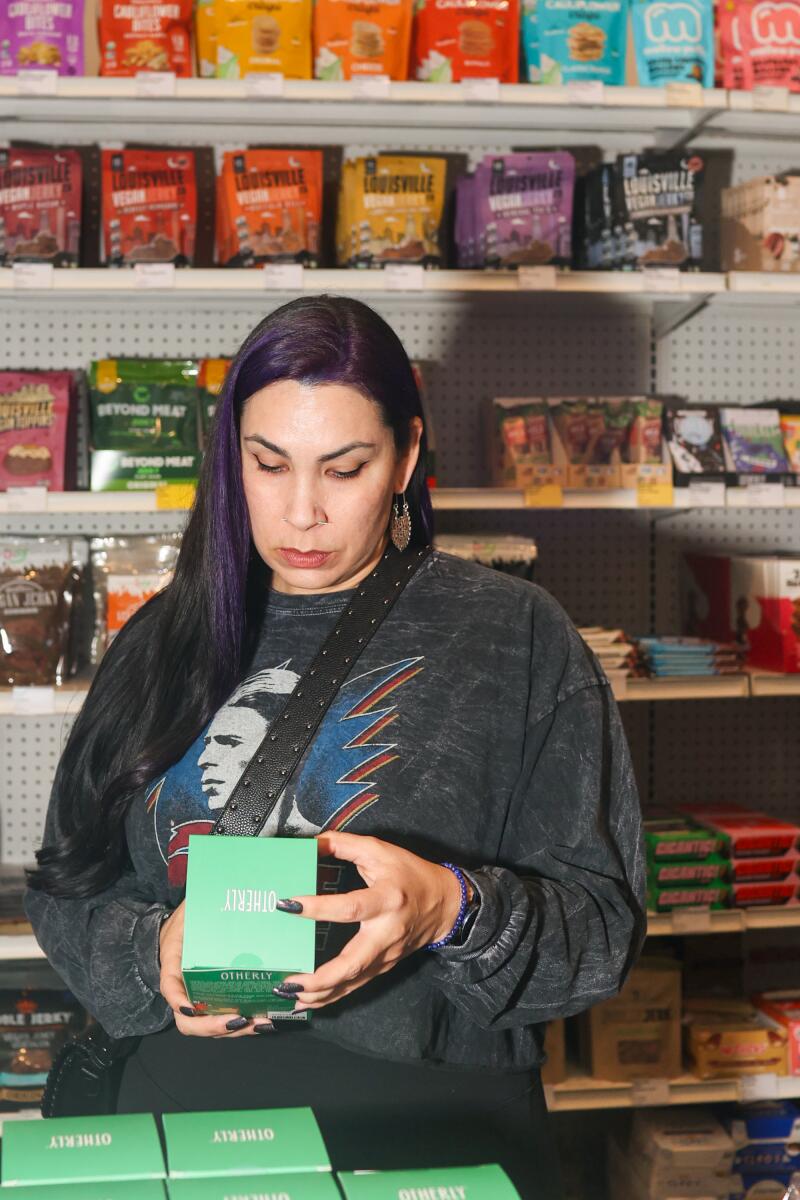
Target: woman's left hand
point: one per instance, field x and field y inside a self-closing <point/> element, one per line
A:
<point x="407" y="903"/>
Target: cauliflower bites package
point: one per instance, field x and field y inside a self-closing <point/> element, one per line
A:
<point x="145" y="35"/>
<point x="269" y="207"/>
<point x="38" y="34"/>
<point x="263" y="36"/>
<point x="466" y="39"/>
<point x="361" y="37"/>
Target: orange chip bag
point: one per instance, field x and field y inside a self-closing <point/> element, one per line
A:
<point x="466" y="39"/>
<point x="263" y="36"/>
<point x="361" y="37"/>
<point x="145" y="35"/>
<point x="205" y="36"/>
<point x="269" y="207"/>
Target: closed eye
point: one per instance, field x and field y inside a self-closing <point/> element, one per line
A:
<point x="336" y="474"/>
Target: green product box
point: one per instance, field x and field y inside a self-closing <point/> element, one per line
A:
<point x="236" y="945"/>
<point x="674" y="873"/>
<point x="302" y="1186"/>
<point x="676" y="839"/>
<point x="266" y="1141"/>
<point x="438" y="1183"/>
<point x="132" y="1189"/>
<point x="145" y="404"/>
<point x="135" y="471"/>
<point x="702" y="895"/>
<point x="81" y="1149"/>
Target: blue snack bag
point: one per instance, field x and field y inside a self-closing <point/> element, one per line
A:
<point x="582" y="40"/>
<point x="529" y="32"/>
<point x="674" y="41"/>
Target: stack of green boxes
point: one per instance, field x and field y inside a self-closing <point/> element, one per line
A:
<point x="687" y="865"/>
<point x="278" y="1154"/>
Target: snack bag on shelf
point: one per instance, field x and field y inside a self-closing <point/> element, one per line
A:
<point x="645" y="441"/>
<point x="210" y="381"/>
<point x="726" y="1039"/>
<point x="523" y="208"/>
<point x="730" y="45"/>
<point x="263" y="35"/>
<point x="753" y="441"/>
<point x="770" y="37"/>
<point x="269" y="207"/>
<point x="659" y="201"/>
<point x="145" y="35"/>
<point x="531" y="57"/>
<point x="36" y="410"/>
<point x="361" y="37"/>
<point x="156" y="206"/>
<point x="390" y="210"/>
<point x="144" y="404"/>
<point x="519" y="436"/>
<point x="637" y="1034"/>
<point x="694" y="438"/>
<point x="466" y="39"/>
<point x="41" y="206"/>
<point x="790" y="428"/>
<point x="674" y="41"/>
<point x="205" y="38"/>
<point x="582" y="40"/>
<point x="40" y="579"/>
<point x="760" y="228"/>
<point x="127" y="572"/>
<point x="37" y="34"/>
<point x="34" y="1025"/>
<point x="783" y="1008"/>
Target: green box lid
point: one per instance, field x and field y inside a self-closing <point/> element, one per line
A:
<point x="136" y="1189"/>
<point x="81" y="1149"/>
<point x="443" y="1183"/>
<point x="305" y="1186"/>
<point x="251" y="1142"/>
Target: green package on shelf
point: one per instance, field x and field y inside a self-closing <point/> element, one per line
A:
<point x="675" y="873"/>
<point x="81" y="1149"/>
<point x="302" y="1186"/>
<point x="251" y="1142"/>
<point x="709" y="895"/>
<point x="451" y="1183"/>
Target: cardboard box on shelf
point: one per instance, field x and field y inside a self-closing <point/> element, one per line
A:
<point x="555" y="1069"/>
<point x="767" y="893"/>
<point x="265" y="1141"/>
<point x="637" y="1034"/>
<point x="761" y="224"/>
<point x="519" y="440"/>
<point x="604" y="441"/>
<point x="681" y="1138"/>
<point x="783" y="1009"/>
<point x="750" y="834"/>
<point x="726" y="1039"/>
<point x="633" y="1177"/>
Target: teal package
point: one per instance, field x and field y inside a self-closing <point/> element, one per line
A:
<point x="530" y="42"/>
<point x="582" y="40"/>
<point x="674" y="41"/>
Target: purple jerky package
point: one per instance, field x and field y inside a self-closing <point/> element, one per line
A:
<point x="465" y="223"/>
<point x="42" y="35"/>
<point x="523" y="205"/>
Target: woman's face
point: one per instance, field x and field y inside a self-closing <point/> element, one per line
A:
<point x="313" y="454"/>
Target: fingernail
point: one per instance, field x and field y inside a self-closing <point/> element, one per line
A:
<point x="265" y="1027"/>
<point x="288" y="989"/>
<point x="237" y="1023"/>
<point x="187" y="1012"/>
<point x="289" y="906"/>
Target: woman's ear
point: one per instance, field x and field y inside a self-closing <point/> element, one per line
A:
<point x="408" y="461"/>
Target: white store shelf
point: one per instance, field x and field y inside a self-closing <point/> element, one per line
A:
<point x="19" y="948"/>
<point x="686" y="687"/>
<point x="724" y="920"/>
<point x="768" y="683"/>
<point x="581" y="1092"/>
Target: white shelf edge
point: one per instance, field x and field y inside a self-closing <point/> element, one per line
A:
<point x="727" y="920"/>
<point x="582" y="1092"/>
<point x="19" y="947"/>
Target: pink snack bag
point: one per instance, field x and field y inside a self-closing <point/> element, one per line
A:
<point x="770" y="41"/>
<point x="45" y="35"/>
<point x="34" y="417"/>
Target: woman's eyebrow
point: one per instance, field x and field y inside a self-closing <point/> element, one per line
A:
<point x="256" y="437"/>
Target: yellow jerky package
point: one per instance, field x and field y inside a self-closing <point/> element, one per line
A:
<point x="262" y="36"/>
<point x="205" y="37"/>
<point x="390" y="210"/>
<point x="361" y="37"/>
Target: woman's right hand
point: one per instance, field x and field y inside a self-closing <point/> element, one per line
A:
<point x="174" y="991"/>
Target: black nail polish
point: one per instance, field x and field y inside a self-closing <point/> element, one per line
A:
<point x="289" y="906"/>
<point x="265" y="1027"/>
<point x="288" y="989"/>
<point x="237" y="1023"/>
<point x="187" y="1012"/>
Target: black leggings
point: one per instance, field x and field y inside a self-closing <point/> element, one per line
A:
<point x="374" y="1114"/>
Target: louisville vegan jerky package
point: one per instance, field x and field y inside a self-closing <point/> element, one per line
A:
<point x="41" y="206"/>
<point x="269" y="207"/>
<point x="361" y="37"/>
<point x="40" y="34"/>
<point x="36" y="429"/>
<point x="157" y="206"/>
<point x="145" y="35"/>
<point x="659" y="204"/>
<point x="466" y="39"/>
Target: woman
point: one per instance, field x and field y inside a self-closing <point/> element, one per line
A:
<point x="476" y="730"/>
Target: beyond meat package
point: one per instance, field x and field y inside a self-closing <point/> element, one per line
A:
<point x="674" y="41"/>
<point x="466" y="39"/>
<point x="35" y="428"/>
<point x="145" y="35"/>
<point x="269" y="207"/>
<point x="126" y="572"/>
<point x="157" y="206"/>
<point x="582" y="40"/>
<point x="39" y="581"/>
<point x="146" y="404"/>
<point x="42" y="34"/>
<point x="41" y="206"/>
<point x="659" y="205"/>
<point x="361" y="37"/>
<point x="34" y="1025"/>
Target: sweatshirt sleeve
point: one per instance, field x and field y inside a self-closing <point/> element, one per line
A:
<point x="561" y="919"/>
<point x="105" y="948"/>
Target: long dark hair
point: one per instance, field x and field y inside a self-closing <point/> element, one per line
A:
<point x="182" y="654"/>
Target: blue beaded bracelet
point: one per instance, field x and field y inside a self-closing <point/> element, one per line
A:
<point x="459" y="921"/>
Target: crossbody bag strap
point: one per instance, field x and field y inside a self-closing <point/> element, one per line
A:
<point x="274" y="762"/>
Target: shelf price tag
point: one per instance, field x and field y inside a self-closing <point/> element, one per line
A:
<point x="544" y="495"/>
<point x="29" y="276"/>
<point x="649" y="1093"/>
<point x="770" y="99"/>
<point x="537" y="279"/>
<point x="33" y="701"/>
<point x="371" y="87"/>
<point x="589" y="91"/>
<point x="685" y="94"/>
<point x="691" y="920"/>
<point x="404" y="277"/>
<point x="283" y="277"/>
<point x="706" y="495"/>
<point x="154" y="276"/>
<point x="266" y="85"/>
<point x="37" y="83"/>
<point x="26" y="499"/>
<point x="170" y="496"/>
<point x="654" y="493"/>
<point x="758" y="1087"/>
<point x="663" y="279"/>
<point x="155" y="85"/>
<point x="481" y="90"/>
<point x="764" y="495"/>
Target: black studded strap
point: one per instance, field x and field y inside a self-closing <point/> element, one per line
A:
<point x="273" y="764"/>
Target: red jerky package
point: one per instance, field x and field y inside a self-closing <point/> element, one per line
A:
<point x="40" y="206"/>
<point x="145" y="35"/>
<point x="150" y="207"/>
<point x="770" y="37"/>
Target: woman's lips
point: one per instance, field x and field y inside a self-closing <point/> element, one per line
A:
<point x="309" y="559"/>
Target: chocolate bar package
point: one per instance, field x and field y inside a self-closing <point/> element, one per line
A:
<point x="144" y="404"/>
<point x="696" y="895"/>
<point x="682" y="875"/>
<point x="726" y="1039"/>
<point x="694" y="438"/>
<point x="671" y="838"/>
<point x="660" y="205"/>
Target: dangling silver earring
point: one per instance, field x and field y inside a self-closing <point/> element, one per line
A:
<point x="400" y="531"/>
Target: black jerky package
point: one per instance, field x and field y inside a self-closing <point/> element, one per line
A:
<point x="41" y="581"/>
<point x="597" y="230"/>
<point x="659" y="203"/>
<point x="34" y="1025"/>
<point x="695" y="441"/>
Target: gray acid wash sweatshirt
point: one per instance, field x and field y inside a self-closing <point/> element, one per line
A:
<point x="476" y="728"/>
